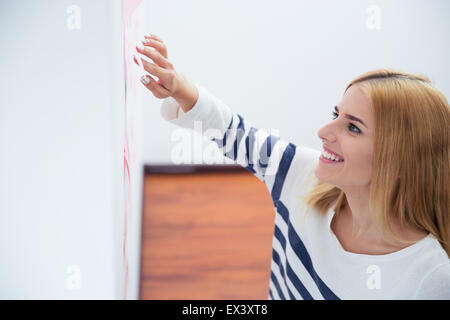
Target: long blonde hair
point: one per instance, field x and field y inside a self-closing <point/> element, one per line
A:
<point x="410" y="178"/>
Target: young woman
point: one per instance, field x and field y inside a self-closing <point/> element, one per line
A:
<point x="366" y="218"/>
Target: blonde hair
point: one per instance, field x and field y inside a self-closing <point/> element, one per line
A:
<point x="410" y="178"/>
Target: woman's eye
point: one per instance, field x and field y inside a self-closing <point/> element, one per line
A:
<point x="350" y="126"/>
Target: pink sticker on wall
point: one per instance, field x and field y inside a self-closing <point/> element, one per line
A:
<point x="132" y="35"/>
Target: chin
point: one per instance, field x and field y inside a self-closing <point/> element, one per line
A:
<point x="318" y="176"/>
<point x="323" y="179"/>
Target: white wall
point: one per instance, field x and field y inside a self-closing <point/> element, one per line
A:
<point x="284" y="64"/>
<point x="62" y="152"/>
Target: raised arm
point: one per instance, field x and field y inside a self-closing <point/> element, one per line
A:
<point x="262" y="153"/>
<point x="265" y="155"/>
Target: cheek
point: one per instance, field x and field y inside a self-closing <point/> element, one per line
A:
<point x="362" y="162"/>
<point x="360" y="157"/>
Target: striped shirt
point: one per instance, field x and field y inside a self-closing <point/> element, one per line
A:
<point x="308" y="261"/>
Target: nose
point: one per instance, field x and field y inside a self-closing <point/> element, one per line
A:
<point x="326" y="133"/>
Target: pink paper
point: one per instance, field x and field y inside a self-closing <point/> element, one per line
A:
<point x="131" y="33"/>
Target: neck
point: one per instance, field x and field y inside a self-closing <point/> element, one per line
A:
<point x="362" y="227"/>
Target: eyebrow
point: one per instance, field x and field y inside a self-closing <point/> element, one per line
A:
<point x="349" y="116"/>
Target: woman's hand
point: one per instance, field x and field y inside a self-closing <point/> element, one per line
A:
<point x="170" y="82"/>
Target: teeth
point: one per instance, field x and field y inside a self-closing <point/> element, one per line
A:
<point x="330" y="156"/>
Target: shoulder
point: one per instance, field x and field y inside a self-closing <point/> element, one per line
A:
<point x="436" y="283"/>
<point x="302" y="168"/>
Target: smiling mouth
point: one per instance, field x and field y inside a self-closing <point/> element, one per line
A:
<point x="325" y="160"/>
<point x="331" y="155"/>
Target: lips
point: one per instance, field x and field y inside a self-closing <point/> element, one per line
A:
<point x="332" y="152"/>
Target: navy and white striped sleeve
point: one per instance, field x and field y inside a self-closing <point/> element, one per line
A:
<point x="265" y="155"/>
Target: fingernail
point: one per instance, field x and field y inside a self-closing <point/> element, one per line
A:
<point x="140" y="47"/>
<point x="146" y="41"/>
<point x="145" y="80"/>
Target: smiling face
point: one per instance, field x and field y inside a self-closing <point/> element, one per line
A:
<point x="350" y="139"/>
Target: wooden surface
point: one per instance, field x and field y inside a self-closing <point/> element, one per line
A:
<point x="206" y="236"/>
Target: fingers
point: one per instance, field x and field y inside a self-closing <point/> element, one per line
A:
<point x="157" y="44"/>
<point x="157" y="87"/>
<point x="155" y="70"/>
<point x="157" y="90"/>
<point x="153" y="36"/>
<point x="155" y="56"/>
<point x="161" y="68"/>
